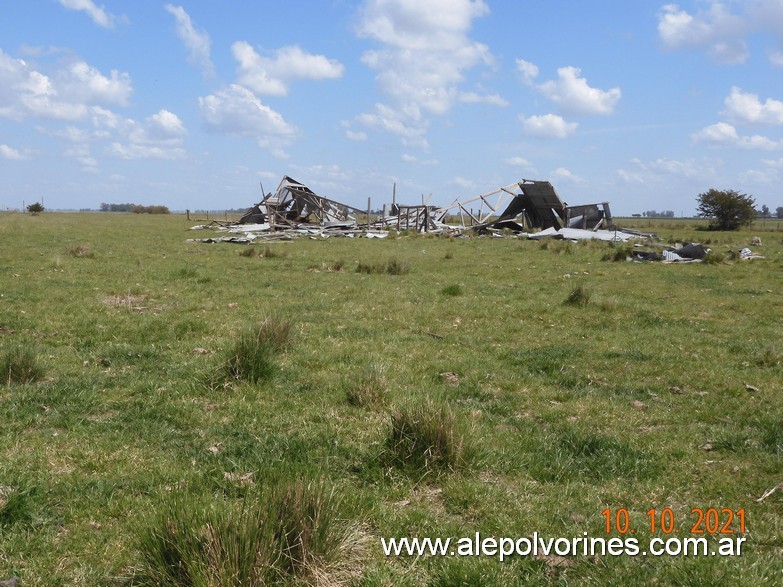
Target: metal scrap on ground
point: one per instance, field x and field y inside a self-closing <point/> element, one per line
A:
<point x="526" y="208"/>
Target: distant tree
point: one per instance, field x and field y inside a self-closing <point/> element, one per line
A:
<point x="765" y="213"/>
<point x="727" y="209"/>
<point x="779" y="212"/>
<point x="35" y="209"/>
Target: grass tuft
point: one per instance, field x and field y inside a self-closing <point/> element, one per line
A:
<point x="453" y="290"/>
<point x="252" y="357"/>
<point x="289" y="534"/>
<point x="81" y="251"/>
<point x="579" y="296"/>
<point x="392" y="267"/>
<point x="20" y="365"/>
<point x="426" y="436"/>
<point x="370" y="389"/>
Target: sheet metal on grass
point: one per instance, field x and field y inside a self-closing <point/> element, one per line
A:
<point x="523" y="206"/>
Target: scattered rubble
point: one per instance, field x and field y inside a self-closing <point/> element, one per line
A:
<point x="524" y="209"/>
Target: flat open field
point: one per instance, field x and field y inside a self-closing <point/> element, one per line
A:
<point x="444" y="389"/>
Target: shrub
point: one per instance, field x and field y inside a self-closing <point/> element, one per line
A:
<point x="20" y="364"/>
<point x="35" y="209"/>
<point x="253" y="354"/>
<point x="426" y="437"/>
<point x="713" y="257"/>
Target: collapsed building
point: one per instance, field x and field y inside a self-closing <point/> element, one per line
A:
<point x="526" y="207"/>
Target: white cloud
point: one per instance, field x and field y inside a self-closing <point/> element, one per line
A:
<point x="424" y="54"/>
<point x="196" y="42"/>
<point x="561" y="174"/>
<point x="521" y="163"/>
<point x="7" y="152"/>
<point x="98" y="14"/>
<point x="464" y="183"/>
<point x="574" y="96"/>
<point x="408" y="158"/>
<point x="356" y="136"/>
<point x="474" y="98"/>
<point x="745" y="107"/>
<point x="723" y="134"/>
<point x="86" y="83"/>
<point x="776" y="59"/>
<point x="718" y="31"/>
<point x="273" y="76"/>
<point x="408" y="126"/>
<point x="65" y="95"/>
<point x="166" y="125"/>
<point x="238" y="112"/>
<point x="528" y="70"/>
<point x="663" y="171"/>
<point x="548" y="126"/>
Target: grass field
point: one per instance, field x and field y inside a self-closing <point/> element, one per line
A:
<point x="166" y="399"/>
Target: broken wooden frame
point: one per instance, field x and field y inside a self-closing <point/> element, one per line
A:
<point x="520" y="206"/>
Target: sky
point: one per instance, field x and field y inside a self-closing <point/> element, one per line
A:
<point x="197" y="105"/>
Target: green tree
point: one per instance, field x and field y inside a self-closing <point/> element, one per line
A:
<point x="727" y="209"/>
<point x="35" y="209"/>
<point x="779" y="212"/>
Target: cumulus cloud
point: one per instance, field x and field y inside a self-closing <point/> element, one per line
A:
<point x="723" y="134"/>
<point x="236" y="111"/>
<point x="529" y="71"/>
<point x="561" y="174"/>
<point x="273" y="76"/>
<point x="356" y="136"/>
<point x="196" y="42"/>
<point x="718" y="31"/>
<point x="573" y="95"/>
<point x="548" y="126"/>
<point x="7" y="152"/>
<point x="744" y="107"/>
<point x="520" y="162"/>
<point x="424" y="54"/>
<point x="98" y="14"/>
<point x="66" y="94"/>
<point x="474" y="98"/>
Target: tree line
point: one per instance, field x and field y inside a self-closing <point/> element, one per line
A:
<point x="135" y="208"/>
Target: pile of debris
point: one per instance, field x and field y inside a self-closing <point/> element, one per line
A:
<point x="517" y="209"/>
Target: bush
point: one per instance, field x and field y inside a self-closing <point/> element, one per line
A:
<point x="726" y="209"/>
<point x="20" y="365"/>
<point x="35" y="209"/>
<point x="426" y="437"/>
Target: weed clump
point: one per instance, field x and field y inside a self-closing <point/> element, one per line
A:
<point x="80" y="251"/>
<point x="617" y="253"/>
<point x="20" y="365"/>
<point x="426" y="437"/>
<point x="370" y="389"/>
<point x="391" y="267"/>
<point x="252" y="358"/>
<point x="714" y="258"/>
<point x="579" y="297"/>
<point x="288" y="534"/>
<point x="453" y="290"/>
<point x="266" y="253"/>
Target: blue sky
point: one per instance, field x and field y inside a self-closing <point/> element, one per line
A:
<point x="191" y="104"/>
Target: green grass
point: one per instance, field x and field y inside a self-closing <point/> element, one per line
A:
<point x="182" y="381"/>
